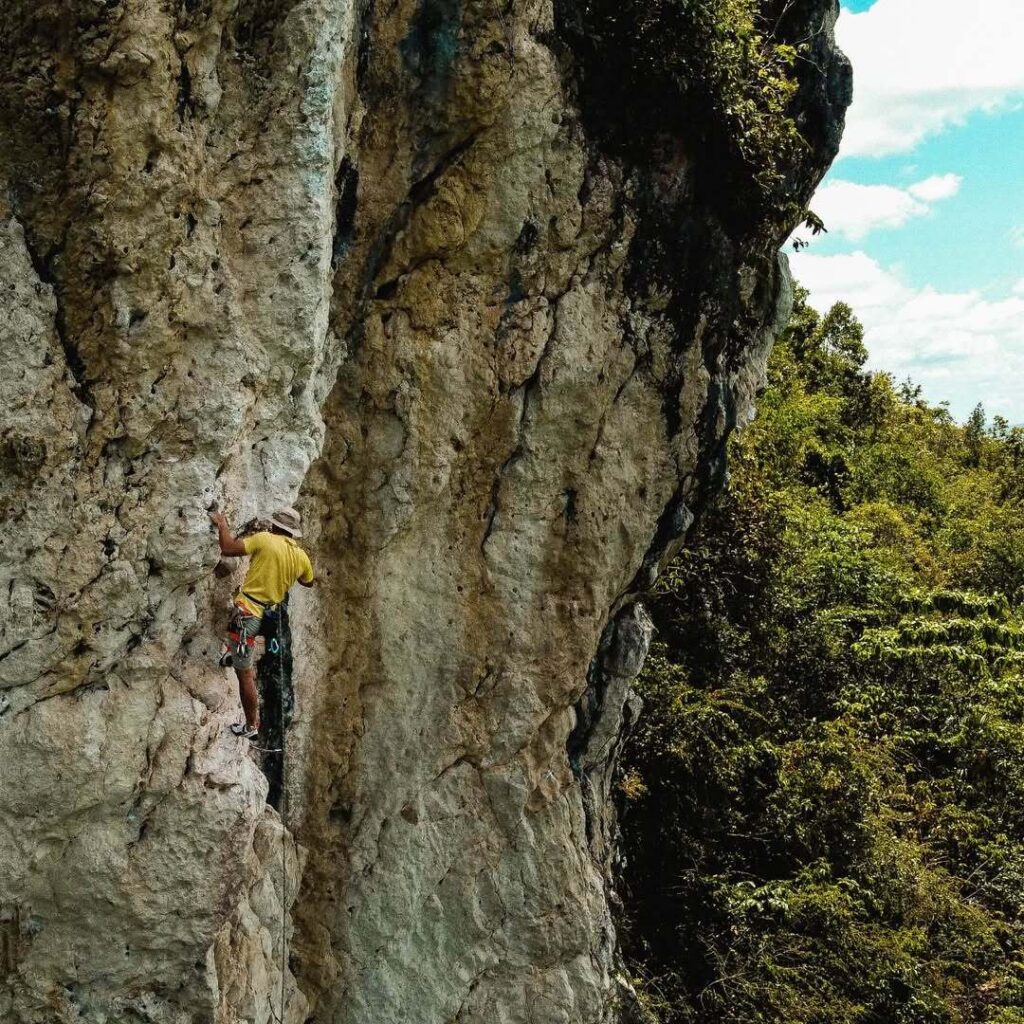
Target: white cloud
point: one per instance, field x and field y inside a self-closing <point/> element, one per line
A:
<point x="1017" y="236"/>
<point x="1018" y="288"/>
<point x="936" y="188"/>
<point x="961" y="346"/>
<point x="854" y="210"/>
<point x="923" y="65"/>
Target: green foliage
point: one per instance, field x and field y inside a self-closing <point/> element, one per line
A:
<point x="824" y="799"/>
<point x="670" y="67"/>
<point x="744" y="73"/>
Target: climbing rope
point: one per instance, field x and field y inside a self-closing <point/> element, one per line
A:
<point x="277" y="645"/>
<point x="277" y="648"/>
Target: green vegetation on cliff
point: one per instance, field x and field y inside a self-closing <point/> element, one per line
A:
<point x="824" y="800"/>
<point x="735" y="78"/>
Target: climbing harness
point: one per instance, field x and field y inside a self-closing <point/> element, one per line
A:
<point x="238" y="632"/>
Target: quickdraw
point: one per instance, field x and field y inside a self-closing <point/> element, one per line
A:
<point x="238" y="634"/>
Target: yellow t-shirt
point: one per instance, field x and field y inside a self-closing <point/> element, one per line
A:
<point x="276" y="562"/>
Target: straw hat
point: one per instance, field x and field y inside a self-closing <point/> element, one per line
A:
<point x="288" y="520"/>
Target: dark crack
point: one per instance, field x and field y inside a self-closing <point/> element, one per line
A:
<point x="44" y="267"/>
<point x="419" y="192"/>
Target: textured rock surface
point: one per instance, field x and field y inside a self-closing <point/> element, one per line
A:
<point x="370" y="260"/>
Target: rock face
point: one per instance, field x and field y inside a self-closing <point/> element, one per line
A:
<point x="378" y="261"/>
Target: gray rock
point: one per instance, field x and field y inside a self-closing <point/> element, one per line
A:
<point x="375" y="260"/>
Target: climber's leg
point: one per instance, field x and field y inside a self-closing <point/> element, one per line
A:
<point x="242" y="633"/>
<point x="250" y="698"/>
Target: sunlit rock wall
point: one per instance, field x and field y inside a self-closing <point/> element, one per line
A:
<point x="376" y="261"/>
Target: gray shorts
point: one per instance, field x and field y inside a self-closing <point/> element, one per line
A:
<point x="242" y="632"/>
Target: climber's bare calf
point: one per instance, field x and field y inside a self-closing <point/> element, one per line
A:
<point x="242" y="632"/>
<point x="250" y="699"/>
<point x="277" y="562"/>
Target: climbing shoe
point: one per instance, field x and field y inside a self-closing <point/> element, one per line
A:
<point x="227" y="659"/>
<point x="243" y="731"/>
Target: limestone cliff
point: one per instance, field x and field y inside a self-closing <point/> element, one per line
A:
<point x="407" y="266"/>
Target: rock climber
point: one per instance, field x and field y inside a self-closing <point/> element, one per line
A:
<point x="277" y="562"/>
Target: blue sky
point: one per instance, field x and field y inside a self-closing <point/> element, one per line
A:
<point x="925" y="206"/>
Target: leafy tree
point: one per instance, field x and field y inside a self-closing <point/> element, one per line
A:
<point x="824" y="800"/>
<point x="974" y="432"/>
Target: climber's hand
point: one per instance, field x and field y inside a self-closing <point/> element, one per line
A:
<point x="229" y="545"/>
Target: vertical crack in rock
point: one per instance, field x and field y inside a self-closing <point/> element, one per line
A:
<point x="597" y="734"/>
<point x="44" y="268"/>
<point x="419" y="192"/>
<point x="346" y="188"/>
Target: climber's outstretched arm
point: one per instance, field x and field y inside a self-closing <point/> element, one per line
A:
<point x="229" y="545"/>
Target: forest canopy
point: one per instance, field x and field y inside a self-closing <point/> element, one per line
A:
<point x="823" y="802"/>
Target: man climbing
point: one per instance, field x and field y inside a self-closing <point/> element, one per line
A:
<point x="277" y="563"/>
